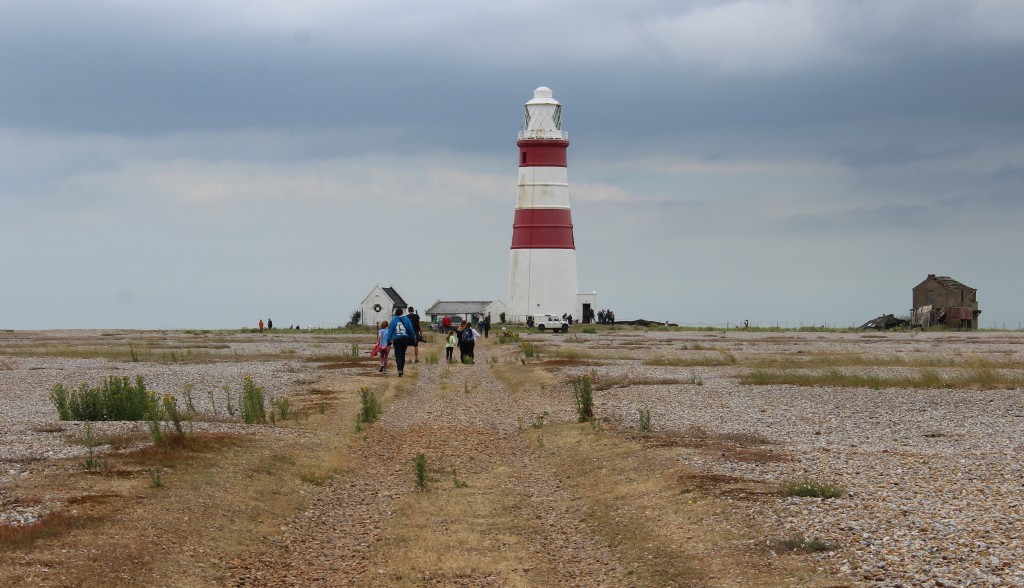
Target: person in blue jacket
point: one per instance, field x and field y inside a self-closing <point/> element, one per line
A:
<point x="400" y="336"/>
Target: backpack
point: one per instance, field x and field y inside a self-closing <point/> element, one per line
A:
<point x="467" y="335"/>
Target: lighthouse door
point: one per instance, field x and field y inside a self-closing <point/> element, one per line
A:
<point x="587" y="316"/>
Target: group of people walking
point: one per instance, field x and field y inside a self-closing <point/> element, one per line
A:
<point x="403" y="332"/>
<point x="606" y="317"/>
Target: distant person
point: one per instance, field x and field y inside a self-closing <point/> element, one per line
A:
<point x="446" y="324"/>
<point x="418" y="329"/>
<point x="382" y="346"/>
<point x="486" y="324"/>
<point x="400" y="336"/>
<point x="449" y="345"/>
<point x="261" y="325"/>
<point x="270" y="324"/>
<point x="467" y="341"/>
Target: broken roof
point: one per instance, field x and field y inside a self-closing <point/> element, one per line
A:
<point x="950" y="284"/>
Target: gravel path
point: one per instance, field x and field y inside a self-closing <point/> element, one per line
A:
<point x="332" y="543"/>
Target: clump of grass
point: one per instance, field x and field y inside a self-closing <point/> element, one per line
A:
<point x="187" y="393"/>
<point x="213" y="401"/>
<point x="154" y="416"/>
<point x="431" y="358"/>
<point x="529" y="349"/>
<point x="695" y="379"/>
<point x="315" y="478"/>
<point x="282" y="406"/>
<point x="507" y="337"/>
<point x="354" y="352"/>
<point x="253" y="402"/>
<point x="645" y="420"/>
<point x="156" y="477"/>
<point x="723" y="358"/>
<point x="977" y="378"/>
<point x="456" y="481"/>
<point x="808" y="488"/>
<point x="370" y="406"/>
<point x="229" y="404"/>
<point x="583" y="394"/>
<point x="538" y="421"/>
<point x="171" y="412"/>
<point x="116" y="399"/>
<point x="805" y="545"/>
<point x="420" y="462"/>
<point x="91" y="462"/>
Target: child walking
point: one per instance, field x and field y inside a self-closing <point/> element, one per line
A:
<point x="449" y="345"/>
<point x="382" y="342"/>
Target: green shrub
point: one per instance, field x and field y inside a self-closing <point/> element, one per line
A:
<point x="506" y="337"/>
<point x="529" y="349"/>
<point x="583" y="394"/>
<point x="370" y="409"/>
<point x="117" y="399"/>
<point x="170" y="406"/>
<point x="253" y="402"/>
<point x="645" y="420"/>
<point x="421" y="471"/>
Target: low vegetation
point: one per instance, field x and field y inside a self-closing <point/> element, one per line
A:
<point x="116" y="399"/>
<point x="977" y="378"/>
<point x="721" y="358"/>
<point x="583" y="394"/>
<point x="370" y="408"/>
<point x="808" y="488"/>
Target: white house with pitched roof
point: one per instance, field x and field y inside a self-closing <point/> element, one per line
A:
<point x="380" y="304"/>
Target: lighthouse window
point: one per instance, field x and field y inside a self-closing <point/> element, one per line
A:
<point x="557" y="117"/>
<point x="523" y="154"/>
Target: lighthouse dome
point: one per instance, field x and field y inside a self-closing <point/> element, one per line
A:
<point x="542" y="95"/>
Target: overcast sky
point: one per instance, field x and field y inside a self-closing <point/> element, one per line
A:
<point x="197" y="164"/>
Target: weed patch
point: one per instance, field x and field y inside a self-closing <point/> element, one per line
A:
<point x="808" y="488"/>
<point x="583" y="394"/>
<point x="117" y="399"/>
<point x="370" y="406"/>
<point x="722" y="358"/>
<point x="979" y="378"/>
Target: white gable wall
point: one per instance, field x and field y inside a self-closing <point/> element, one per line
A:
<point x="374" y="300"/>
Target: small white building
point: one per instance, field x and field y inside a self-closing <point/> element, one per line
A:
<point x="465" y="309"/>
<point x="380" y="304"/>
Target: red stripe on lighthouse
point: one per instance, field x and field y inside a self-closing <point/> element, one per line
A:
<point x="542" y="228"/>
<point x="542" y="152"/>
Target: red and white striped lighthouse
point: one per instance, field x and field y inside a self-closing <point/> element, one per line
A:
<point x="542" y="269"/>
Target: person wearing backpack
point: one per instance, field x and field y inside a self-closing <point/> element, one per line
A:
<point x="467" y="341"/>
<point x="400" y="336"/>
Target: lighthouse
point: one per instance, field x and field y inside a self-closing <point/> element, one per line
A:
<point x="542" y="264"/>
